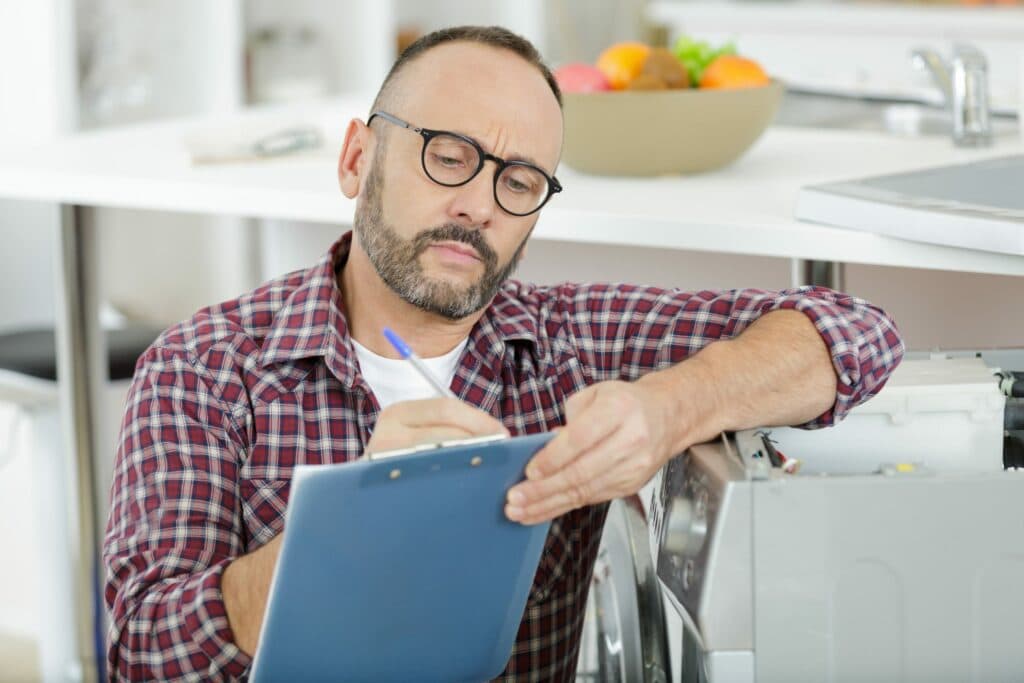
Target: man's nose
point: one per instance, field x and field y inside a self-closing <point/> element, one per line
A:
<point x="473" y="203"/>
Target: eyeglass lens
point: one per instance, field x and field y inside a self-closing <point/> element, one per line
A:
<point x="449" y="160"/>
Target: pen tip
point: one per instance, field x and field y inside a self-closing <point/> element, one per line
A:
<point x="397" y="342"/>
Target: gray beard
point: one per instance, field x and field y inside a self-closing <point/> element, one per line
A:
<point x="396" y="260"/>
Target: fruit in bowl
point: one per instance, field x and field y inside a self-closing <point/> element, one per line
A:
<point x="697" y="55"/>
<point x="733" y="71"/>
<point x="622" y="62"/>
<point x="661" y="71"/>
<point x="690" y="109"/>
<point x="578" y="77"/>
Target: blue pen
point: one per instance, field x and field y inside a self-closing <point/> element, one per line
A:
<point x="405" y="352"/>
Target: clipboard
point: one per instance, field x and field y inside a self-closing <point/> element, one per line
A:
<point x="402" y="567"/>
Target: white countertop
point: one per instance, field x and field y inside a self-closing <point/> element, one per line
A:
<point x="746" y="208"/>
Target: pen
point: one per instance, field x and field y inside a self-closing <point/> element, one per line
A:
<point x="405" y="352"/>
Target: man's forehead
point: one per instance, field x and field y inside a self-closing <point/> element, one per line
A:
<point x="491" y="94"/>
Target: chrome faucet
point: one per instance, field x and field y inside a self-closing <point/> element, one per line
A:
<point x="964" y="86"/>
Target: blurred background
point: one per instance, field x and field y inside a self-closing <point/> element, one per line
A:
<point x="68" y="67"/>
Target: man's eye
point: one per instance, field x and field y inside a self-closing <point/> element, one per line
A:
<point x="518" y="186"/>
<point x="447" y="161"/>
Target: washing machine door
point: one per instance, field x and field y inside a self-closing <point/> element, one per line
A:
<point x="624" y="636"/>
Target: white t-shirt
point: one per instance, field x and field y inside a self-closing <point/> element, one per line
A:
<point x="394" y="380"/>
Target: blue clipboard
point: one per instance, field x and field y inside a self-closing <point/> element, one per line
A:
<point x="402" y="568"/>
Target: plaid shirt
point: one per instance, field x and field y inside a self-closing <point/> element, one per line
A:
<point x="224" y="405"/>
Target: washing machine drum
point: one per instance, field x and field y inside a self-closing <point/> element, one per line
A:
<point x="624" y="634"/>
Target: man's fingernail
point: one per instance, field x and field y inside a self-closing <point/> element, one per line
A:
<point x="532" y="472"/>
<point x="516" y="497"/>
<point x="513" y="512"/>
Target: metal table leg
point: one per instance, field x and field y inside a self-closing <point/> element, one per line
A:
<point x="80" y="369"/>
<point x="831" y="274"/>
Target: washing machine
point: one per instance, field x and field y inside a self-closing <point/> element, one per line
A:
<point x="888" y="548"/>
<point x="624" y="629"/>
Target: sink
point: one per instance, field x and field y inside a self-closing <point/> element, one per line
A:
<point x="914" y="119"/>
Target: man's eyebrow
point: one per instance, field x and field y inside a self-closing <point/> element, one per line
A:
<point x="515" y="157"/>
<point x="528" y="159"/>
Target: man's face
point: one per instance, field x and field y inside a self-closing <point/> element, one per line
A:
<point x="443" y="249"/>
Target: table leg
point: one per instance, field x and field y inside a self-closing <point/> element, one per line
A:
<point x="831" y="274"/>
<point x="80" y="369"/>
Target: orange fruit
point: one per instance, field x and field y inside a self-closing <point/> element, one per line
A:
<point x="733" y="71"/>
<point x="622" y="62"/>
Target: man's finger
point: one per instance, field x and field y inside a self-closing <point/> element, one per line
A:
<point x="613" y="484"/>
<point x="407" y="438"/>
<point x="447" y="412"/>
<point x="573" y="485"/>
<point x="573" y="476"/>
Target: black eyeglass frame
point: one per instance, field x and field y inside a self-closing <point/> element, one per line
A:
<point x="429" y="134"/>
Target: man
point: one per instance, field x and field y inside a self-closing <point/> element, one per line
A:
<point x="449" y="173"/>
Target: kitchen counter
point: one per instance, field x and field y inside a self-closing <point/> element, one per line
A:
<point x="746" y="208"/>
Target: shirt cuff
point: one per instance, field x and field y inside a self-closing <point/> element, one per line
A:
<point x="863" y="341"/>
<point x="206" y="619"/>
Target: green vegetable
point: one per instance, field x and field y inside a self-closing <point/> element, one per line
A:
<point x="695" y="55"/>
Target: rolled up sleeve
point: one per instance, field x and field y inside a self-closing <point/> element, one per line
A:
<point x="625" y="331"/>
<point x="862" y="339"/>
<point x="172" y="530"/>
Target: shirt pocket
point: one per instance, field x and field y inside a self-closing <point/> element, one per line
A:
<point x="263" y="507"/>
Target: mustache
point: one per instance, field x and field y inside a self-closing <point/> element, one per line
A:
<point x="453" y="232"/>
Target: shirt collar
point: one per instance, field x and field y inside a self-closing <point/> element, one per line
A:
<point x="311" y="323"/>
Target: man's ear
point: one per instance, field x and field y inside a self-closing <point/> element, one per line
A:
<point x="355" y="161"/>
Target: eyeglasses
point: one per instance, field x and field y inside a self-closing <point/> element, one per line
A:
<point x="450" y="159"/>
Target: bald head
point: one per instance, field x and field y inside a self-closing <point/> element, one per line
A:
<point x="491" y="36"/>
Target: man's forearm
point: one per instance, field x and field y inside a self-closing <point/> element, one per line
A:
<point x="777" y="372"/>
<point x="245" y="587"/>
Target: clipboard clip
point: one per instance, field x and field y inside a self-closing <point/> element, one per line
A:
<point x="428" y="447"/>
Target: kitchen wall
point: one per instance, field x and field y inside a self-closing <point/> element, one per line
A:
<point x="945" y="310"/>
<point x="157" y="267"/>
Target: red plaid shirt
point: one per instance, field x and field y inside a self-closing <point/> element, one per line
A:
<point x="224" y="405"/>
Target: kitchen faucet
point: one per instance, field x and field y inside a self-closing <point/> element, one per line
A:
<point x="964" y="86"/>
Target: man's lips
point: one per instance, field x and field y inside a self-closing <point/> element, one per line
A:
<point x="457" y="249"/>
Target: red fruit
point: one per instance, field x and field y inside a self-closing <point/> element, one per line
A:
<point x="579" y="77"/>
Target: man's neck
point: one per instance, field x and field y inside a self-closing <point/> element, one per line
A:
<point x="370" y="306"/>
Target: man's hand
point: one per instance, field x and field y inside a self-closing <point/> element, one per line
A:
<point x="618" y="434"/>
<point x="245" y="585"/>
<point x="410" y="423"/>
